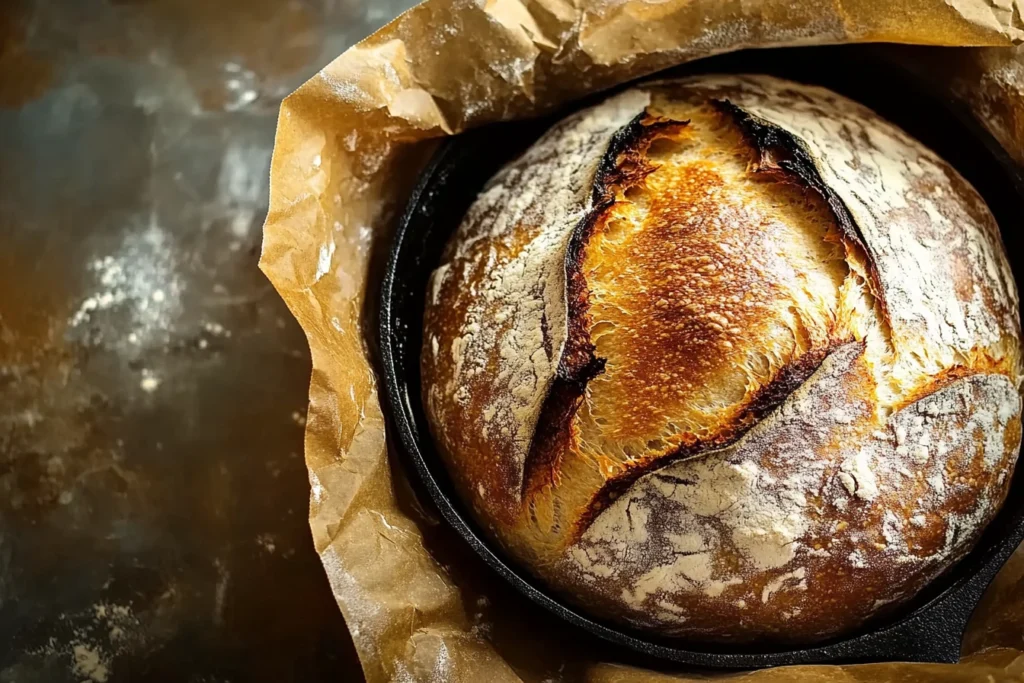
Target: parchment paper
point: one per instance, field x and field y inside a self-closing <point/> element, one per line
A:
<point x="350" y="143"/>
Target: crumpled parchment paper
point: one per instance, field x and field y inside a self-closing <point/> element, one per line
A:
<point x="350" y="144"/>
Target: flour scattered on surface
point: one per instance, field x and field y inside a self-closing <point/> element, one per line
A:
<point x="90" y="663"/>
<point x="111" y="277"/>
<point x="89" y="641"/>
<point x="266" y="541"/>
<point x="216" y="329"/>
<point x="240" y="85"/>
<point x="150" y="382"/>
<point x="220" y="592"/>
<point x="138" y="280"/>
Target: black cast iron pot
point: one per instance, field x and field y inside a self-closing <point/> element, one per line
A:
<point x="931" y="626"/>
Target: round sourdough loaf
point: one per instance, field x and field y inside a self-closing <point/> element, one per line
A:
<point x="728" y="358"/>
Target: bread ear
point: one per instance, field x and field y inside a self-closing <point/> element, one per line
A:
<point x="495" y="319"/>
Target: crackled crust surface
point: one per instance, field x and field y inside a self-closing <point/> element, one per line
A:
<point x="729" y="357"/>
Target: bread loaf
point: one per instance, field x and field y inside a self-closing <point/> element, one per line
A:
<point x="729" y="358"/>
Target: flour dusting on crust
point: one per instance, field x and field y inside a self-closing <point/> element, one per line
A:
<point x="876" y="420"/>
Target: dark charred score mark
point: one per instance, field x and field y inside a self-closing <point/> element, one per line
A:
<point x="546" y="335"/>
<point x="551" y="437"/>
<point x="672" y="479"/>
<point x="623" y="165"/>
<point x="768" y="398"/>
<point x="790" y="378"/>
<point x="783" y="157"/>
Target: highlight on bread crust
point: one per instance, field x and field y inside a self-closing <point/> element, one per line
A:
<point x="728" y="358"/>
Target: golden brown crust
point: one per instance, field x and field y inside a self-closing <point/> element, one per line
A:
<point x="704" y="346"/>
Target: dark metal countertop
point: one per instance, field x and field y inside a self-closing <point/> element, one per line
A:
<point x="153" y="495"/>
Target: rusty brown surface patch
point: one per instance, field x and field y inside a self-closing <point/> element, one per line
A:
<point x="24" y="74"/>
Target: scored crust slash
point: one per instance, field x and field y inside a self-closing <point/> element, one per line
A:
<point x="729" y="358"/>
